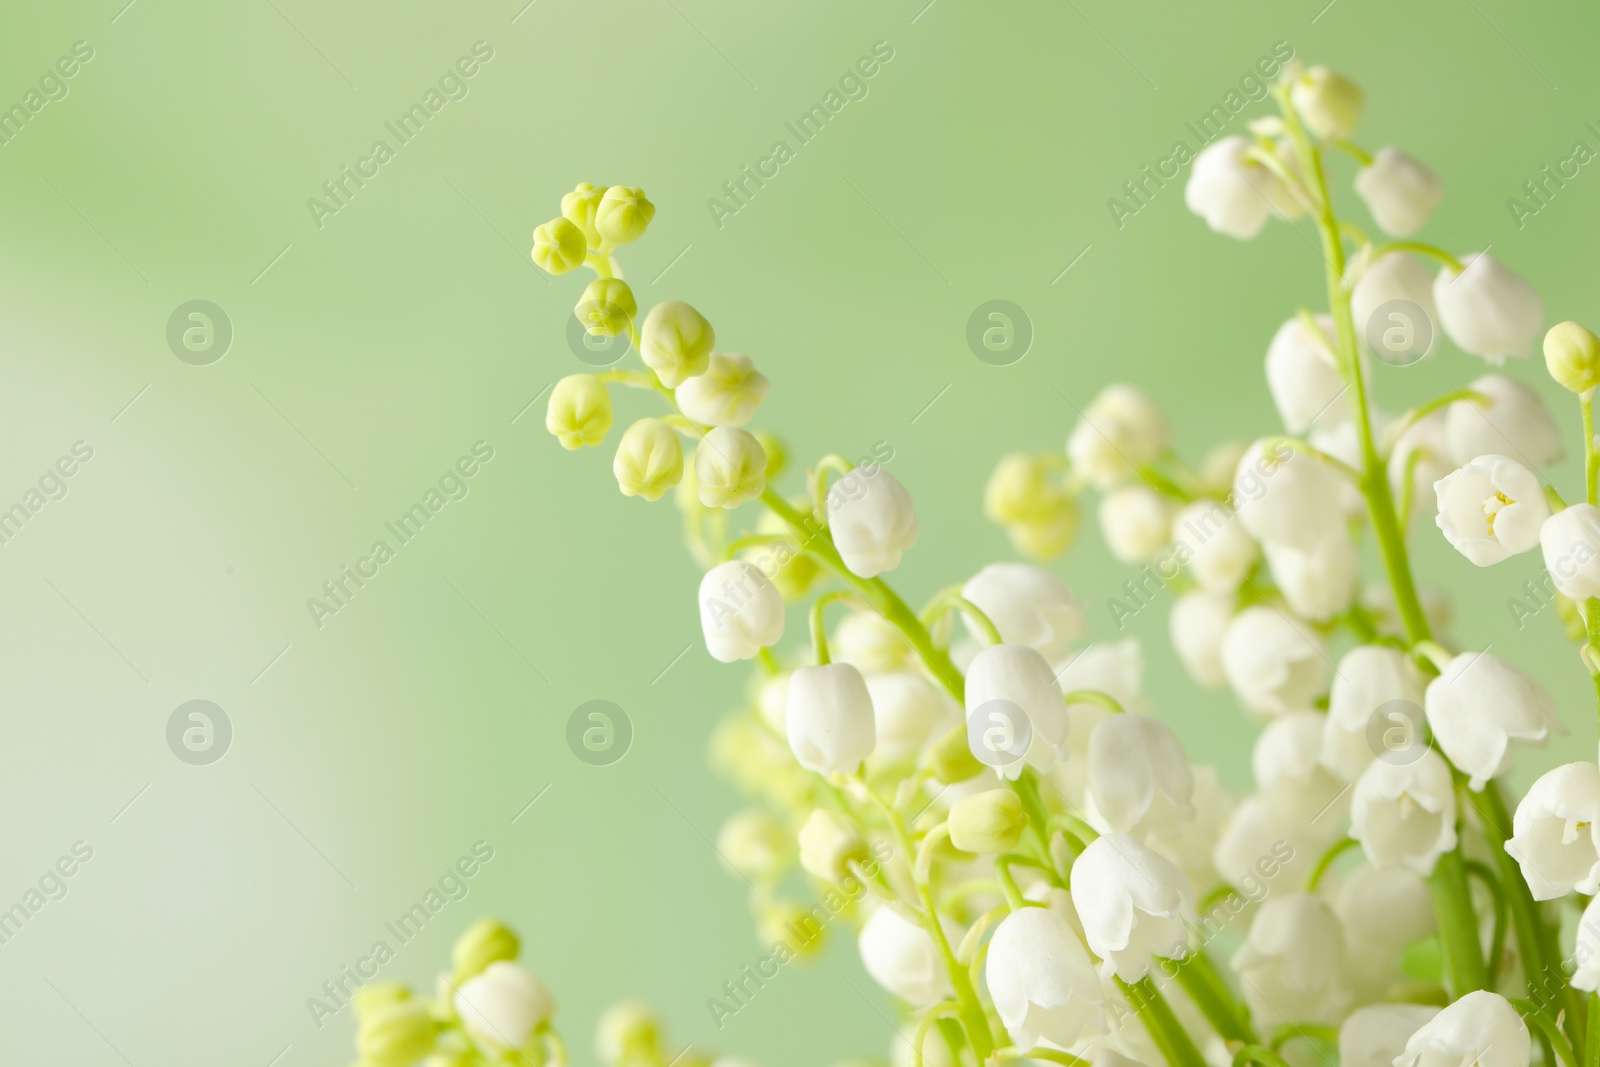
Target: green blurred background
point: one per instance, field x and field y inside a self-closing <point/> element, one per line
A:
<point x="370" y="353"/>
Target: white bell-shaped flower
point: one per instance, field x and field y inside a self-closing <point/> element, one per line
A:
<point x="1273" y="664"/>
<point x="1400" y="191"/>
<point x="1042" y="982"/>
<point x="1381" y="911"/>
<point x="1488" y="310"/>
<point x="903" y="959"/>
<point x="1136" y="521"/>
<point x="1570" y="543"/>
<point x="1556" y="832"/>
<point x="1376" y="689"/>
<point x="1374" y="1036"/>
<point x="1391" y="278"/>
<point x="741" y="612"/>
<point x="1196" y="625"/>
<point x="1214" y="545"/>
<point x="910" y="711"/>
<point x="869" y="641"/>
<point x="1512" y="420"/>
<point x="1491" y="509"/>
<point x="1119" y="432"/>
<point x="1287" y="765"/>
<point x="1013" y="693"/>
<point x="1586" y="952"/>
<point x="503" y="1006"/>
<point x="1190" y="844"/>
<point x="873" y="521"/>
<point x="1133" y="904"/>
<point x="829" y="718"/>
<point x="1286" y="497"/>
<point x="1258" y="831"/>
<point x="1233" y="193"/>
<point x="730" y="467"/>
<point x="1303" y="374"/>
<point x="1029" y="606"/>
<point x="1115" y="668"/>
<point x="1481" y="1029"/>
<point x="1292" y="960"/>
<point x="1478" y="705"/>
<point x="727" y="394"/>
<point x="1140" y="781"/>
<point x="1319" y="582"/>
<point x="1405" y="812"/>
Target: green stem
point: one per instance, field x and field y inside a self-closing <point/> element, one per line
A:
<point x="1591" y="1052"/>
<point x="1323" y="864"/>
<point x="1458" y="926"/>
<point x="1258" y="1054"/>
<point x="1532" y="1013"/>
<point x="819" y="631"/>
<point x="1591" y="458"/>
<point x="1162" y="1025"/>
<point x="1216" y="1002"/>
<point x="1096" y="697"/>
<point x="1431" y="251"/>
<point x="1497" y="941"/>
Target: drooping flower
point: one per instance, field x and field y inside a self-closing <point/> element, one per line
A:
<point x="1042" y="982"/>
<point x="1405" y="813"/>
<point x="1491" y="509"/>
<point x="740" y="611"/>
<point x="1286" y="497"/>
<point x="1482" y="1029"/>
<point x="1139" y="778"/>
<point x="503" y="1007"/>
<point x="727" y="394"/>
<point x="873" y="521"/>
<point x="1478" y="705"/>
<point x="1232" y="192"/>
<point x="1292" y="960"/>
<point x="1400" y="191"/>
<point x="1556" y="832"/>
<point x="829" y="718"/>
<point x="675" y="342"/>
<point x="1119" y="432"/>
<point x="1013" y="693"/>
<point x="1570" y="543"/>
<point x="1510" y="420"/>
<point x="1029" y="606"/>
<point x="903" y="959"/>
<point x="1273" y="664"/>
<point x="1133" y="904"/>
<point x="1303" y="374"/>
<point x="730" y="467"/>
<point x="1488" y="310"/>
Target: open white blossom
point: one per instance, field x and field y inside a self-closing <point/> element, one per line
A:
<point x="1556" y="832"/>
<point x="910" y="711"/>
<point x="1395" y="277"/>
<point x="1287" y="765"/>
<point x="1481" y="1029"/>
<point x="1042" y="982"/>
<point x="1139" y="777"/>
<point x="1586" y="953"/>
<point x="1491" y="509"/>
<point x="1405" y="812"/>
<point x="1133" y="904"/>
<point x="1381" y="911"/>
<point x="1273" y="664"/>
<point x="1013" y="690"/>
<point x="1478" y="705"/>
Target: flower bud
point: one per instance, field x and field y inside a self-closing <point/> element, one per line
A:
<point x="1570" y="540"/>
<point x="484" y="942"/>
<point x="753" y="843"/>
<point x="1120" y="431"/>
<point x="649" y="459"/>
<point x="987" y="823"/>
<point x="1136" y="522"/>
<point x="623" y="214"/>
<point x="829" y="843"/>
<point x="794" y="572"/>
<point x="1510" y="419"/>
<point x="951" y="759"/>
<point x="1329" y="103"/>
<point x="375" y="995"/>
<point x="606" y="307"/>
<point x="1303" y="376"/>
<point x="829" y="718"/>
<point x="1399" y="191"/>
<point x="1021" y="490"/>
<point x="1572" y="355"/>
<point x="580" y="411"/>
<point x="727" y="394"/>
<point x="396" y="1035"/>
<point x="873" y="521"/>
<point x="629" y="1033"/>
<point x="1231" y="191"/>
<point x="559" y="246"/>
<point x="1045" y="539"/>
<point x="1488" y="310"/>
<point x="791" y="923"/>
<point x="729" y="467"/>
<point x="579" y="206"/>
<point x="902" y="958"/>
<point x="675" y="342"/>
<point x="504" y="1006"/>
<point x="740" y="611"/>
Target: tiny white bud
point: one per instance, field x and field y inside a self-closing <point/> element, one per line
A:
<point x="872" y="519"/>
<point x="730" y="467"/>
<point x="740" y="611"/>
<point x="1399" y="191"/>
<point x="829" y="718"/>
<point x="727" y="394"/>
<point x="1329" y="102"/>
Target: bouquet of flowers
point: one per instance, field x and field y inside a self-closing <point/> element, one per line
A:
<point x="1025" y="855"/>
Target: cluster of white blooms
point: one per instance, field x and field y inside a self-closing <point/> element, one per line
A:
<point x="1027" y="856"/>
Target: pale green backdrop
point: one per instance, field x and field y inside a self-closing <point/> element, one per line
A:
<point x="370" y="353"/>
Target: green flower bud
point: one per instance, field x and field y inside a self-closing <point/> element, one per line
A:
<point x="987" y="823"/>
<point x="1572" y="355"/>
<point x="828" y="844"/>
<point x="371" y="997"/>
<point x="396" y="1035"/>
<point x="1021" y="489"/>
<point x="1046" y="539"/>
<point x="793" y="924"/>
<point x="675" y="342"/>
<point x="729" y="467"/>
<point x="579" y="412"/>
<point x="1329" y="103"/>
<point x="579" y="207"/>
<point x="951" y="759"/>
<point x="649" y="460"/>
<point x="623" y="215"/>
<point x="484" y="942"/>
<point x="629" y="1033"/>
<point x="753" y="844"/>
<point x="559" y="246"/>
<point x="606" y="307"/>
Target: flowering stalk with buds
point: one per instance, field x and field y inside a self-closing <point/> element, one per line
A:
<point x="1035" y="868"/>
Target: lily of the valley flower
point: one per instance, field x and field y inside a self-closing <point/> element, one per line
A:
<point x="903" y="959"/>
<point x="1586" y="952"/>
<point x="649" y="459"/>
<point x="1572" y="356"/>
<point x="1482" y="1029"/>
<point x="873" y="522"/>
<point x="1133" y="904"/>
<point x="1196" y="625"/>
<point x="1119" y="432"/>
<point x="1375" y="1035"/>
<point x="1302" y="374"/>
<point x="1556" y="832"/>
<point x="502" y="1007"/>
<point x="740" y="611"/>
<point x="1491" y="509"/>
<point x="909" y="711"/>
<point x="1400" y="191"/>
<point x="829" y="718"/>
<point x="829" y="843"/>
<point x="1140" y="780"/>
<point x="1375" y="689"/>
<point x="1273" y="664"/>
<point x="580" y="412"/>
<point x="1232" y="192"/>
<point x="1488" y="310"/>
<point x="1570" y="542"/>
<point x="727" y="394"/>
<point x="1287" y="497"/>
<point x="675" y="342"/>
<point x="1405" y="813"/>
<point x="1219" y="551"/>
<point x="1396" y="276"/>
<point x="1291" y="961"/>
<point x="1014" y="692"/>
<point x="1136" y="521"/>
<point x="1510" y="420"/>
<point x="1029" y="606"/>
<point x="1329" y="102"/>
<point x="1042" y="981"/>
<point x="1319" y="582"/>
<point x="1478" y="705"/>
<point x="730" y="467"/>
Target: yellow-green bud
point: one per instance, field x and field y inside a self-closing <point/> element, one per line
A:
<point x="580" y="411"/>
<point x="559" y="246"/>
<point x="1572" y="355"/>
<point x="1021" y="490"/>
<point x="777" y="454"/>
<point x="629" y="1033"/>
<point x="396" y="1035"/>
<point x="675" y="342"/>
<point x="1048" y="538"/>
<point x="484" y="942"/>
<point x="753" y="844"/>
<point x="1329" y="102"/>
<point x="375" y="995"/>
<point x="951" y="759"/>
<point x="579" y="207"/>
<point x="606" y="307"/>
<point x="793" y="924"/>
<point x="623" y="215"/>
<point x="729" y="467"/>
<point x="828" y="844"/>
<point x="649" y="460"/>
<point x="987" y="823"/>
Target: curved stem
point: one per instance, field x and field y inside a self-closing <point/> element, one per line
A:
<point x="1531" y="1013"/>
<point x="1096" y="697"/>
<point x="819" y="632"/>
<point x="1168" y="1034"/>
<point x="1497" y="944"/>
<point x="1310" y="1031"/>
<point x="1420" y="249"/>
<point x="1326" y="862"/>
<point x="1215" y="1000"/>
<point x="942" y="1011"/>
<point x="1258" y="1054"/>
<point x="952" y="598"/>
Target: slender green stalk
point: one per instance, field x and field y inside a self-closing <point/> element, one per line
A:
<point x="1163" y="1027"/>
<point x="1216" y="1002"/>
<point x="1338" y="849"/>
<point x="1465" y="970"/>
<point x="1591" y="1051"/>
<point x="1497" y="941"/>
<point x="1558" y="1041"/>
<point x="1096" y="697"/>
